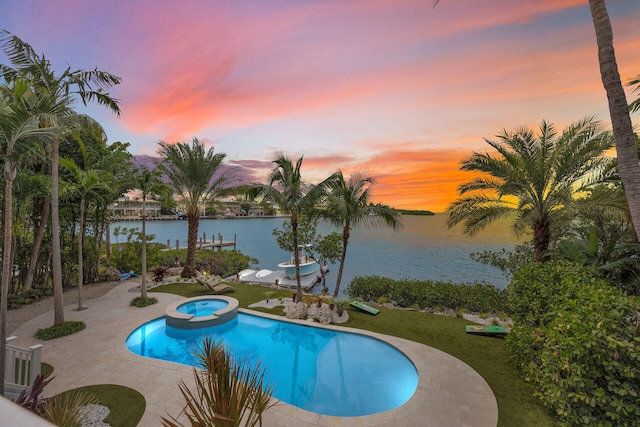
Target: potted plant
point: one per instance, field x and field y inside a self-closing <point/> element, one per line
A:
<point x="340" y="305"/>
<point x="268" y="294"/>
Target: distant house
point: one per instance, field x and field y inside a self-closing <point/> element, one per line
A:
<point x="129" y="206"/>
<point x="231" y="207"/>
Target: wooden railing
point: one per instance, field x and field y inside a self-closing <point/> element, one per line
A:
<point x="22" y="367"/>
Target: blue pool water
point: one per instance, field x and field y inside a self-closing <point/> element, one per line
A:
<point x="319" y="370"/>
<point x="202" y="307"/>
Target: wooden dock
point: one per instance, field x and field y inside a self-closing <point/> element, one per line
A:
<point x="203" y="243"/>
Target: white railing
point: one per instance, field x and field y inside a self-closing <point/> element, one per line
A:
<point x="22" y="367"/>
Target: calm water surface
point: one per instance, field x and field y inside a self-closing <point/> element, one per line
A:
<point x="423" y="249"/>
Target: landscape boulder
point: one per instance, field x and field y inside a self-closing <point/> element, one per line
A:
<point x="297" y="311"/>
<point x="324" y="315"/>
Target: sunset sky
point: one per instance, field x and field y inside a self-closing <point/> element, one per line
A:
<point x="396" y="87"/>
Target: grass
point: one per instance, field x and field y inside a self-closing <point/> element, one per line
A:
<point x="489" y="356"/>
<point x="126" y="405"/>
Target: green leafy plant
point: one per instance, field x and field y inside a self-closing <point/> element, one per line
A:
<point x="67" y="328"/>
<point x="268" y="295"/>
<point x="575" y="338"/>
<point x="143" y="302"/>
<point x="427" y="293"/>
<point x="228" y="392"/>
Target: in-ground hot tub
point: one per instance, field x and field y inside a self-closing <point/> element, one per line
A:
<point x="201" y="312"/>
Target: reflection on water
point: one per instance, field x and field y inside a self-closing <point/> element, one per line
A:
<point x="423" y="249"/>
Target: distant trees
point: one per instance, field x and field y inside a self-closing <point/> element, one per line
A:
<point x="194" y="174"/>
<point x="530" y="177"/>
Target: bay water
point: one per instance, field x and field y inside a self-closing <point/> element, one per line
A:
<point x="424" y="248"/>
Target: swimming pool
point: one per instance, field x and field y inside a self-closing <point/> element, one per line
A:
<point x="320" y="370"/>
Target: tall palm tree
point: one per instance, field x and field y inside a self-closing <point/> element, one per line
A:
<point x="533" y="177"/>
<point x="20" y="114"/>
<point x="150" y="184"/>
<point x="192" y="175"/>
<point x="627" y="152"/>
<point x="62" y="91"/>
<point x="285" y="189"/>
<point x="348" y="204"/>
<point x="83" y="183"/>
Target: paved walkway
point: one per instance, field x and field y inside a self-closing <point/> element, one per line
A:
<point x="449" y="393"/>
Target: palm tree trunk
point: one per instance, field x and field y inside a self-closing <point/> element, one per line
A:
<point x="10" y="173"/>
<point x="143" y="250"/>
<point x="296" y="254"/>
<point x="58" y="303"/>
<point x="345" y="242"/>
<point x="626" y="150"/>
<point x="541" y="239"/>
<point x="37" y="243"/>
<point x="189" y="269"/>
<point x="80" y="256"/>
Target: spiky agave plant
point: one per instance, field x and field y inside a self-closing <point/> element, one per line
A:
<point x="66" y="409"/>
<point x="229" y="391"/>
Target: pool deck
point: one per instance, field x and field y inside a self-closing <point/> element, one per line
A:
<point x="449" y="393"/>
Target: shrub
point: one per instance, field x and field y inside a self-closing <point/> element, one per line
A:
<point x="143" y="302"/>
<point x="67" y="328"/>
<point x="222" y="263"/>
<point x="126" y="256"/>
<point x="575" y="338"/>
<point x="428" y="293"/>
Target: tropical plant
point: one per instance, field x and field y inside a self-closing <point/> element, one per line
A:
<point x="21" y="111"/>
<point x="229" y="391"/>
<point x="531" y="178"/>
<point x="347" y="204"/>
<point x="83" y="183"/>
<point x="626" y="151"/>
<point x="150" y="184"/>
<point x="285" y="189"/>
<point x="635" y="105"/>
<point x="67" y="409"/>
<point x="61" y="91"/>
<point x="196" y="176"/>
<point x="575" y="338"/>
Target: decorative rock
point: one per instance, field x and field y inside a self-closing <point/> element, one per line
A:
<point x="324" y="315"/>
<point x="298" y="311"/>
<point x="94" y="415"/>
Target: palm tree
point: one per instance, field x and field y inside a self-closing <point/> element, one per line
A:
<point x="83" y="183"/>
<point x="20" y="114"/>
<point x="191" y="172"/>
<point x="150" y="184"/>
<point x="285" y="189"/>
<point x="627" y="152"/>
<point x="532" y="177"/>
<point x="61" y="90"/>
<point x="348" y="204"/>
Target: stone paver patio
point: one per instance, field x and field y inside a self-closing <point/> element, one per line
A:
<point x="450" y="393"/>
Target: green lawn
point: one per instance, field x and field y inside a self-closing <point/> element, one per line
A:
<point x="489" y="356"/>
